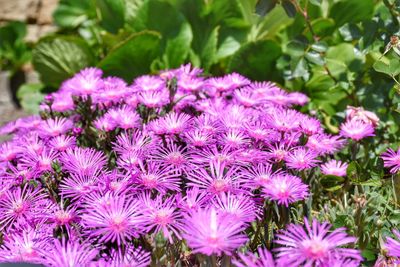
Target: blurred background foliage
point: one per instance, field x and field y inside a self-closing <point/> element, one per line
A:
<point x="325" y="48"/>
<point x="338" y="52"/>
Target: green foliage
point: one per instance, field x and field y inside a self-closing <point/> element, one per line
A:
<point x="30" y="96"/>
<point x="132" y="57"/>
<point x="58" y="58"/>
<point x="14" y="52"/>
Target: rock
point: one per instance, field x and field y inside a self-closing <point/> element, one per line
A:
<point x="46" y="10"/>
<point x="33" y="33"/>
<point x="17" y="9"/>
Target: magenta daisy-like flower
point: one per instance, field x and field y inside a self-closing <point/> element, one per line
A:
<point x="84" y="83"/>
<point x="158" y="177"/>
<point x="148" y="83"/>
<point x="217" y="180"/>
<point x="393" y="244"/>
<point x="286" y="189"/>
<point x="263" y="259"/>
<point x="9" y="151"/>
<point x="194" y="199"/>
<point x="24" y="245"/>
<point x="62" y="142"/>
<point x="154" y="99"/>
<point x="62" y="102"/>
<point x="105" y="123"/>
<point x="301" y="159"/>
<point x="20" y="205"/>
<point x="136" y="141"/>
<point x="77" y="186"/>
<point x="284" y="120"/>
<point x="83" y="161"/>
<point x="236" y="207"/>
<point x="131" y="257"/>
<point x="356" y="129"/>
<point x="209" y="232"/>
<point x="161" y="214"/>
<point x="116" y="221"/>
<point x="69" y="253"/>
<point x="259" y="175"/>
<point x="314" y="245"/>
<point x="325" y="144"/>
<point x="124" y="117"/>
<point x="391" y="160"/>
<point x="334" y="167"/>
<point x="175" y="123"/>
<point x="173" y="156"/>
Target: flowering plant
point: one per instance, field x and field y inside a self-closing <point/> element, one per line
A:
<point x="176" y="167"/>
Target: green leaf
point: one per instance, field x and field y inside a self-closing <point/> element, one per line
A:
<point x="346" y="11"/>
<point x="256" y="60"/>
<point x="296" y="48"/>
<point x="227" y="48"/>
<point x="299" y="69"/>
<point x="209" y="51"/>
<point x="112" y="14"/>
<point x="72" y="13"/>
<point x="58" y="58"/>
<point x="331" y="182"/>
<point x="289" y="8"/>
<point x="319" y="47"/>
<point x="30" y="95"/>
<point x="316" y="2"/>
<point x="160" y="16"/>
<point x="315" y="58"/>
<point x="392" y="68"/>
<point x="178" y="48"/>
<point x="133" y="57"/>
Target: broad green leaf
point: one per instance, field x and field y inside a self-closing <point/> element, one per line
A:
<point x="158" y="16"/>
<point x="346" y="11"/>
<point x="269" y="25"/>
<point x="177" y="49"/>
<point x="58" y="58"/>
<point x="71" y="13"/>
<point x="323" y="26"/>
<point x="392" y="68"/>
<point x="112" y="14"/>
<point x="209" y="51"/>
<point x="30" y="95"/>
<point x="319" y="47"/>
<point x="296" y="48"/>
<point x="256" y="60"/>
<point x="299" y="69"/>
<point x="316" y="2"/>
<point x="289" y="8"/>
<point x="331" y="182"/>
<point x="133" y="57"/>
<point x="227" y="48"/>
<point x="131" y="9"/>
<point x="315" y="58"/>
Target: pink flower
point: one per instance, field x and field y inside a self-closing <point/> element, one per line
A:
<point x="301" y="159"/>
<point x="84" y="83"/>
<point x="264" y="259"/>
<point x="314" y="245"/>
<point x="391" y="160"/>
<point x="359" y="113"/>
<point x="393" y="244"/>
<point x="209" y="232"/>
<point x="356" y="129"/>
<point x="117" y="221"/>
<point x="83" y="161"/>
<point x="161" y="214"/>
<point x="334" y="167"/>
<point x="69" y="253"/>
<point x="285" y="189"/>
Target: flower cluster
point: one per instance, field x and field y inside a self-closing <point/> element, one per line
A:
<point x="110" y="168"/>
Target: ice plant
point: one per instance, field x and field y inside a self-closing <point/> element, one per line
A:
<point x="167" y="167"/>
<point x="393" y="245"/>
<point x="391" y="160"/>
<point x="356" y="129"/>
<point x="208" y="232"/>
<point x="264" y="259"/>
<point x="334" y="167"/>
<point x="285" y="189"/>
<point x="313" y="244"/>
